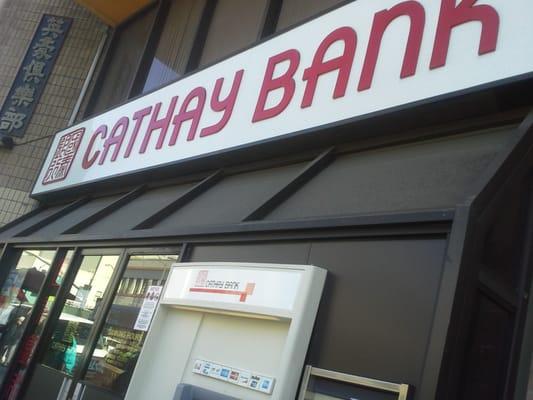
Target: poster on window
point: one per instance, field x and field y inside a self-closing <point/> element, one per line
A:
<point x="151" y="298"/>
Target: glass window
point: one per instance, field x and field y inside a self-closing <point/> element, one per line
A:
<point x="112" y="364"/>
<point x="126" y="51"/>
<point x="32" y="338"/>
<point x="235" y="25"/>
<point x="17" y="299"/>
<point x="76" y="321"/>
<point x="175" y="44"/>
<point x="294" y="11"/>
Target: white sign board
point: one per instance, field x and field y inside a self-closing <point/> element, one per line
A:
<point x="151" y="298"/>
<point x="250" y="287"/>
<point x="365" y="57"/>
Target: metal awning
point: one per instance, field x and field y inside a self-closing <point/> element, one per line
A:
<point x="394" y="185"/>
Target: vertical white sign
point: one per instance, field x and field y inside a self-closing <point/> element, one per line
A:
<point x="148" y="308"/>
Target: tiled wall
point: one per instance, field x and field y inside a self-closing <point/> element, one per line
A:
<point x="18" y="21"/>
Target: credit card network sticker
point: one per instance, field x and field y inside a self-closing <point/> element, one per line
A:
<point x="198" y="365"/>
<point x="234" y="376"/>
<point x="224" y="373"/>
<point x="244" y="378"/>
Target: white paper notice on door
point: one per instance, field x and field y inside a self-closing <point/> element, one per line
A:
<point x="151" y="298"/>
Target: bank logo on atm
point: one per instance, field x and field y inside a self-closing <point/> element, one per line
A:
<point x="234" y="376"/>
<point x="63" y="158"/>
<point x="222" y="287"/>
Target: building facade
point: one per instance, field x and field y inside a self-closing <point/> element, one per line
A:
<point x="18" y="22"/>
<point x="388" y="143"/>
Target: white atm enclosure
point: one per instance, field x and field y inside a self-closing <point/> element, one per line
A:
<point x="233" y="330"/>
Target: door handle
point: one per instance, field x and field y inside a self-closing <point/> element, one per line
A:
<point x="79" y="391"/>
<point x="64" y="389"/>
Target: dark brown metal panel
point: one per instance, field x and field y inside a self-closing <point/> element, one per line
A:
<point x="131" y="214"/>
<point x="107" y="210"/>
<point x="377" y="309"/>
<point x="27" y="221"/>
<point x="180" y="201"/>
<point x="95" y="393"/>
<point x="52" y="217"/>
<point x="281" y="253"/>
<point x="45" y="384"/>
<point x="76" y="215"/>
<point x="305" y="175"/>
<point x="230" y="200"/>
<point x="22" y="218"/>
<point x="426" y="175"/>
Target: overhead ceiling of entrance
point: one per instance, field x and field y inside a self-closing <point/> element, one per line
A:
<point x="116" y="11"/>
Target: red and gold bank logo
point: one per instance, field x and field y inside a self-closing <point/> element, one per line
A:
<point x="63" y="157"/>
<point x="225" y="287"/>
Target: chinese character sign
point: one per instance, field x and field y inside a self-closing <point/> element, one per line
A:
<point x="63" y="157"/>
<point x="32" y="75"/>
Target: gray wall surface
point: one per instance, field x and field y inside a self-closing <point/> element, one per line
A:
<point x="377" y="309"/>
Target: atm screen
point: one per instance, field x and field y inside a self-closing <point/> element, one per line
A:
<point x="190" y="392"/>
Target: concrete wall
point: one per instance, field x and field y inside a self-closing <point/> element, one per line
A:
<point x="18" y="22"/>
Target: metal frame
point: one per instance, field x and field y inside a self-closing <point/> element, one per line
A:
<point x="415" y="222"/>
<point x="200" y="38"/>
<point x="402" y="390"/>
<point x="61" y="297"/>
<point x="88" y="78"/>
<point x="99" y="318"/>
<point x="143" y="66"/>
<point x="271" y="18"/>
<point x="476" y="215"/>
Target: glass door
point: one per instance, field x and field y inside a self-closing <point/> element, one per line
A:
<point x="72" y="325"/>
<point x="18" y="298"/>
<point x="22" y="360"/>
<point x="76" y="320"/>
<point x="97" y="331"/>
<point x="120" y="341"/>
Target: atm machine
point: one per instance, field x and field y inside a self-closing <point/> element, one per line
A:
<point x="225" y="331"/>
